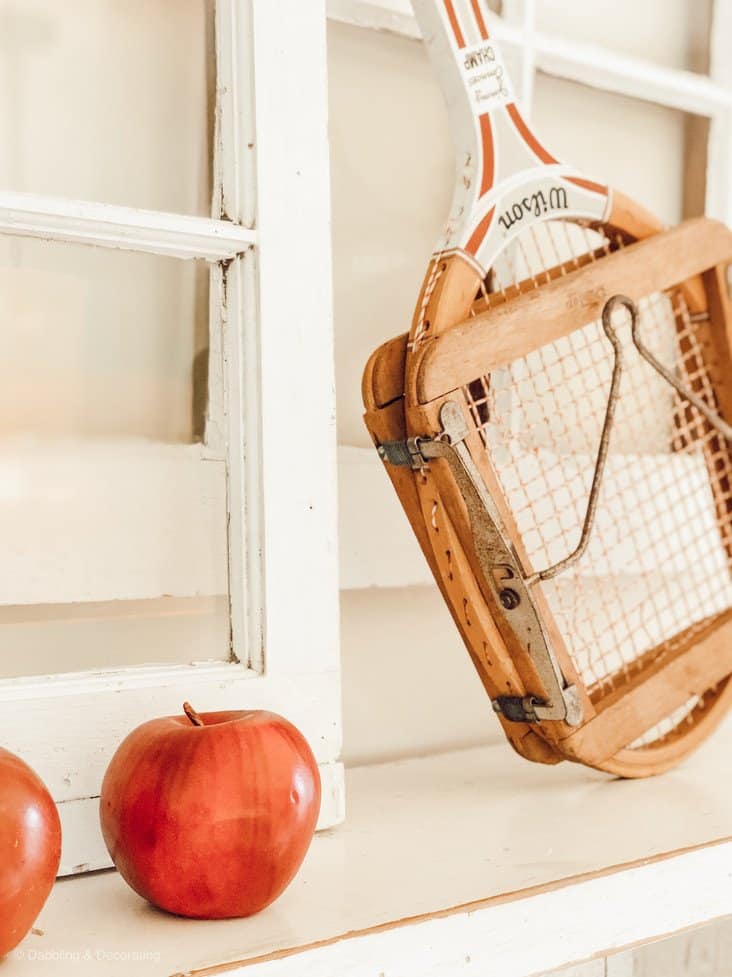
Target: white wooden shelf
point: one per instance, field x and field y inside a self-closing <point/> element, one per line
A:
<point x="469" y="862"/>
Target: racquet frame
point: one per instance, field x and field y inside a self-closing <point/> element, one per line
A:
<point x="432" y="453"/>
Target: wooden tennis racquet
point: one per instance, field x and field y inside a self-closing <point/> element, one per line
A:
<point x="555" y="424"/>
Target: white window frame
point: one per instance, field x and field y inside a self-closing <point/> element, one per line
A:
<point x="366" y="561"/>
<point x="269" y="452"/>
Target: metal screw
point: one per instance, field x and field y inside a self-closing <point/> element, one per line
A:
<point x="509" y="599"/>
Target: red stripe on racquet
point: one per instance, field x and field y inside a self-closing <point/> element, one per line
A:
<point x="489" y="160"/>
<point x="587" y="185"/>
<point x="479" y="19"/>
<point x="454" y="23"/>
<point x="478" y="235"/>
<point x="527" y="135"/>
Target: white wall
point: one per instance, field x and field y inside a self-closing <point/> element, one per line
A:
<point x="409" y="687"/>
<point x="391" y="166"/>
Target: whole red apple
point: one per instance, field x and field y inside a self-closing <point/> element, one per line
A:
<point x="30" y="848"/>
<point x="210" y="816"/>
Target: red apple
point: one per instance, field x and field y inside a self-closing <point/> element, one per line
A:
<point x="30" y="848"/>
<point x="210" y="816"/>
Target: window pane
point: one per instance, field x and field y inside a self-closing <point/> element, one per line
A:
<point x="115" y="538"/>
<point x="100" y="342"/>
<point x="108" y="100"/>
<point x="113" y="522"/>
<point x="654" y="154"/>
<point x="673" y="33"/>
<point x="50" y="638"/>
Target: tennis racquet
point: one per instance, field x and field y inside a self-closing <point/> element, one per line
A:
<point x="556" y="426"/>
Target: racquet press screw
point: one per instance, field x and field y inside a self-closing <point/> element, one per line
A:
<point x="509" y="599"/>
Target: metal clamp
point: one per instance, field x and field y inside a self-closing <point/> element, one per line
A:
<point x="500" y="566"/>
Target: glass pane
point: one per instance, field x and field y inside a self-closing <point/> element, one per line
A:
<point x="114" y="527"/>
<point x="654" y="154"/>
<point x="100" y="342"/>
<point x="108" y="100"/>
<point x="50" y="638"/>
<point x="673" y="33"/>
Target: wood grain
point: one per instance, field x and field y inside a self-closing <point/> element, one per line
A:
<point x="696" y="665"/>
<point x="544" y="315"/>
<point x="489" y="654"/>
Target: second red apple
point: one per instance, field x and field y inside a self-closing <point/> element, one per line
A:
<point x="30" y="848"/>
<point x="210" y="816"/>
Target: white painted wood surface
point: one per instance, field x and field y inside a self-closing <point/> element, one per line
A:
<point x="591" y="64"/>
<point x="110" y="226"/>
<point x="234" y="418"/>
<point x="297" y="383"/>
<point x="472" y="862"/>
<point x="702" y="952"/>
<point x="235" y="140"/>
<point x="396" y="16"/>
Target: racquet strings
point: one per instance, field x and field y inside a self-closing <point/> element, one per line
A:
<point x="658" y="561"/>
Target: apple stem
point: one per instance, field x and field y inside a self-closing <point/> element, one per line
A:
<point x="192" y="714"/>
